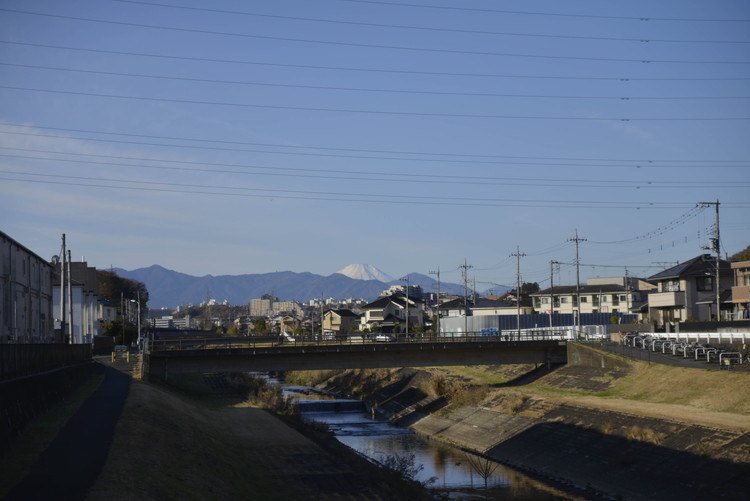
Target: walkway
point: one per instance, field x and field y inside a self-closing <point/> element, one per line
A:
<point x="71" y="464"/>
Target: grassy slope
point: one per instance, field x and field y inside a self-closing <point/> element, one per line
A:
<point x="38" y="435"/>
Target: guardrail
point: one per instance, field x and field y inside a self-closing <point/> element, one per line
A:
<point x="668" y="343"/>
<point x="212" y="343"/>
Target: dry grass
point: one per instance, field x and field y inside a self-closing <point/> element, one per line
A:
<point x="717" y="391"/>
<point x="169" y="448"/>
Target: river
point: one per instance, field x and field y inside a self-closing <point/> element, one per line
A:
<point x="436" y="465"/>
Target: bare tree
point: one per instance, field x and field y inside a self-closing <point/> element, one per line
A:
<point x="482" y="467"/>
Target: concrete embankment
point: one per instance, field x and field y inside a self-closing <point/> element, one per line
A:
<point x="593" y="449"/>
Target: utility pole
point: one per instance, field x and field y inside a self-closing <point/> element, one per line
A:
<point x="62" y="290"/>
<point x="438" y="298"/>
<point x="717" y="248"/>
<point x="406" y="279"/>
<point x="518" y="255"/>
<point x="627" y="292"/>
<point x="70" y="303"/>
<point x="464" y="273"/>
<point x="551" y="290"/>
<point x="577" y="310"/>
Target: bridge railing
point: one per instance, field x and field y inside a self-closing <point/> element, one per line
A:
<point x="206" y="343"/>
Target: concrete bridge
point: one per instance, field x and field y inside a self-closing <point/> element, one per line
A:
<point x="260" y="357"/>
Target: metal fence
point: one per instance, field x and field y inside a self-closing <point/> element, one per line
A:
<point x="18" y="360"/>
<point x="190" y="343"/>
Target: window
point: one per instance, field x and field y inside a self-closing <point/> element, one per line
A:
<point x="564" y="300"/>
<point x="672" y="286"/>
<point x="705" y="284"/>
<point x="584" y="299"/>
<point x="746" y="279"/>
<point x="604" y="299"/>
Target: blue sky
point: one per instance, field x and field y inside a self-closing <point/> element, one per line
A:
<point x="250" y="137"/>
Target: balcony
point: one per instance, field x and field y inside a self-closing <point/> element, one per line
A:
<point x="741" y="293"/>
<point x="666" y="299"/>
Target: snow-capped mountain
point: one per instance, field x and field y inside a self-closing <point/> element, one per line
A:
<point x="365" y="272"/>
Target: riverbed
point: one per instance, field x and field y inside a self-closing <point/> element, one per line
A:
<point x="441" y="468"/>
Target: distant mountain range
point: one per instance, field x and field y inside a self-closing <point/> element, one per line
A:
<point x="168" y="289"/>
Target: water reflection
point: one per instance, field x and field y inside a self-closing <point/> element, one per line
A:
<point x="438" y="466"/>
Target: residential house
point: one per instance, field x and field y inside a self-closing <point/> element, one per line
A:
<point x="598" y="295"/>
<point x="741" y="289"/>
<point x="339" y="322"/>
<point x="26" y="314"/>
<point x="389" y="314"/>
<point x="107" y="310"/>
<point x="688" y="291"/>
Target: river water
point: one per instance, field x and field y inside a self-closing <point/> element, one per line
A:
<point x="438" y="466"/>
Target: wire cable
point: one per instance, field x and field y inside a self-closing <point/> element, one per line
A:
<point x="302" y="195"/>
<point x="424" y="28"/>
<point x="553" y="14"/>
<point x="368" y="46"/>
<point x="371" y="70"/>
<point x="374" y="90"/>
<point x="339" y="174"/>
<point x="374" y="112"/>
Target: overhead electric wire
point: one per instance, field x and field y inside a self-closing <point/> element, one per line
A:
<point x="360" y="176"/>
<point x="371" y="70"/>
<point x="679" y="221"/>
<point x="553" y="14"/>
<point x="374" y="112"/>
<point x="425" y="28"/>
<point x="372" y="90"/>
<point x="411" y="200"/>
<point x="370" y="46"/>
<point x="619" y="162"/>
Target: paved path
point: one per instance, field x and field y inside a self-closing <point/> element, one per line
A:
<point x="71" y="464"/>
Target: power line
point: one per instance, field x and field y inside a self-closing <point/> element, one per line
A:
<point x="684" y="218"/>
<point x="553" y="14"/>
<point x="425" y="28"/>
<point x="370" y="70"/>
<point x="373" y="112"/>
<point x="368" y="46"/>
<point x="642" y="162"/>
<point x="373" y="90"/>
<point x="296" y="172"/>
<point x="319" y="196"/>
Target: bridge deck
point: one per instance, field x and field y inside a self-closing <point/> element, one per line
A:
<point x="351" y="356"/>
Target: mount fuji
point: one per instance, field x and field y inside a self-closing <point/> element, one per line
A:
<point x="365" y="272"/>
